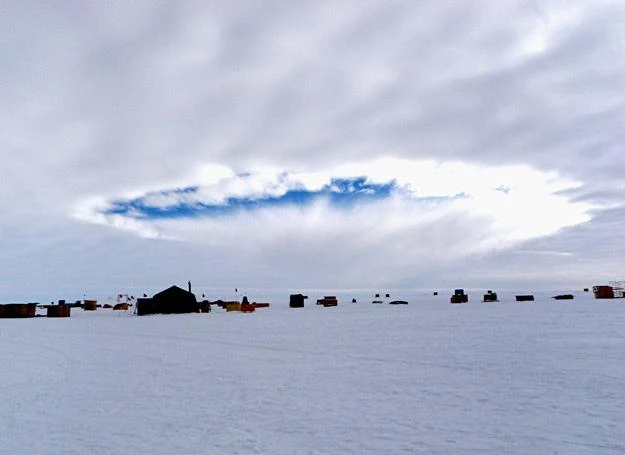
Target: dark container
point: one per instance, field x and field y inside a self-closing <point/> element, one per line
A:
<point x="491" y="297"/>
<point x="459" y="298"/>
<point x="563" y="297"/>
<point x="145" y="306"/>
<point x="603" y="292"/>
<point x="18" y="310"/>
<point x="524" y="298"/>
<point x="58" y="311"/>
<point x="205" y="306"/>
<point x="296" y="301"/>
<point x="90" y="305"/>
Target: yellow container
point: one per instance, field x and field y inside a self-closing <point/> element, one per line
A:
<point x="233" y="307"/>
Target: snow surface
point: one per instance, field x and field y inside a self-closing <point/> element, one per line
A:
<point x="429" y="377"/>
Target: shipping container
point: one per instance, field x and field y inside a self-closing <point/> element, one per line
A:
<point x="18" y="310"/>
<point x="58" y="311"/>
<point x="603" y="292"/>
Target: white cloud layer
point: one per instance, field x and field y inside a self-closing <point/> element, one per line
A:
<point x="511" y="204"/>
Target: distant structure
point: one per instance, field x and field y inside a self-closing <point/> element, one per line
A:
<point x="563" y="297"/>
<point x="435" y="293"/>
<point x="89" y="305"/>
<point x="173" y="300"/>
<point x="233" y="305"/>
<point x="260" y="305"/>
<point x="247" y="307"/>
<point x="459" y="296"/>
<point x="18" y="310"/>
<point x="603" y="292"/>
<point x="58" y="311"/>
<point x="244" y="306"/>
<point x="123" y="301"/>
<point x="297" y="300"/>
<point x="490" y="296"/>
<point x="619" y="288"/>
<point x="328" y="300"/>
<point x="524" y="298"/>
<point x="205" y="306"/>
<point x="398" y="302"/>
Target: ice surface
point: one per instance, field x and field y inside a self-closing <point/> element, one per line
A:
<point x="504" y="378"/>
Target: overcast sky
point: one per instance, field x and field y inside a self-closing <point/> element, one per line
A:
<point x="330" y="144"/>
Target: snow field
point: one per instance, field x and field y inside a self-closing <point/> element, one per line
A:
<point x="507" y="378"/>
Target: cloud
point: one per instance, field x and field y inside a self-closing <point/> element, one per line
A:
<point x="434" y="210"/>
<point x="518" y="105"/>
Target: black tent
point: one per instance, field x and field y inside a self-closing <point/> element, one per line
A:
<point x="171" y="300"/>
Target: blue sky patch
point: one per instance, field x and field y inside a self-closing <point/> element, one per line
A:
<point x="340" y="192"/>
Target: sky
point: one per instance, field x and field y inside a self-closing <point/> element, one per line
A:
<point x="297" y="145"/>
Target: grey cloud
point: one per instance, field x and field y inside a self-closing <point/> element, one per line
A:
<point x="104" y="98"/>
